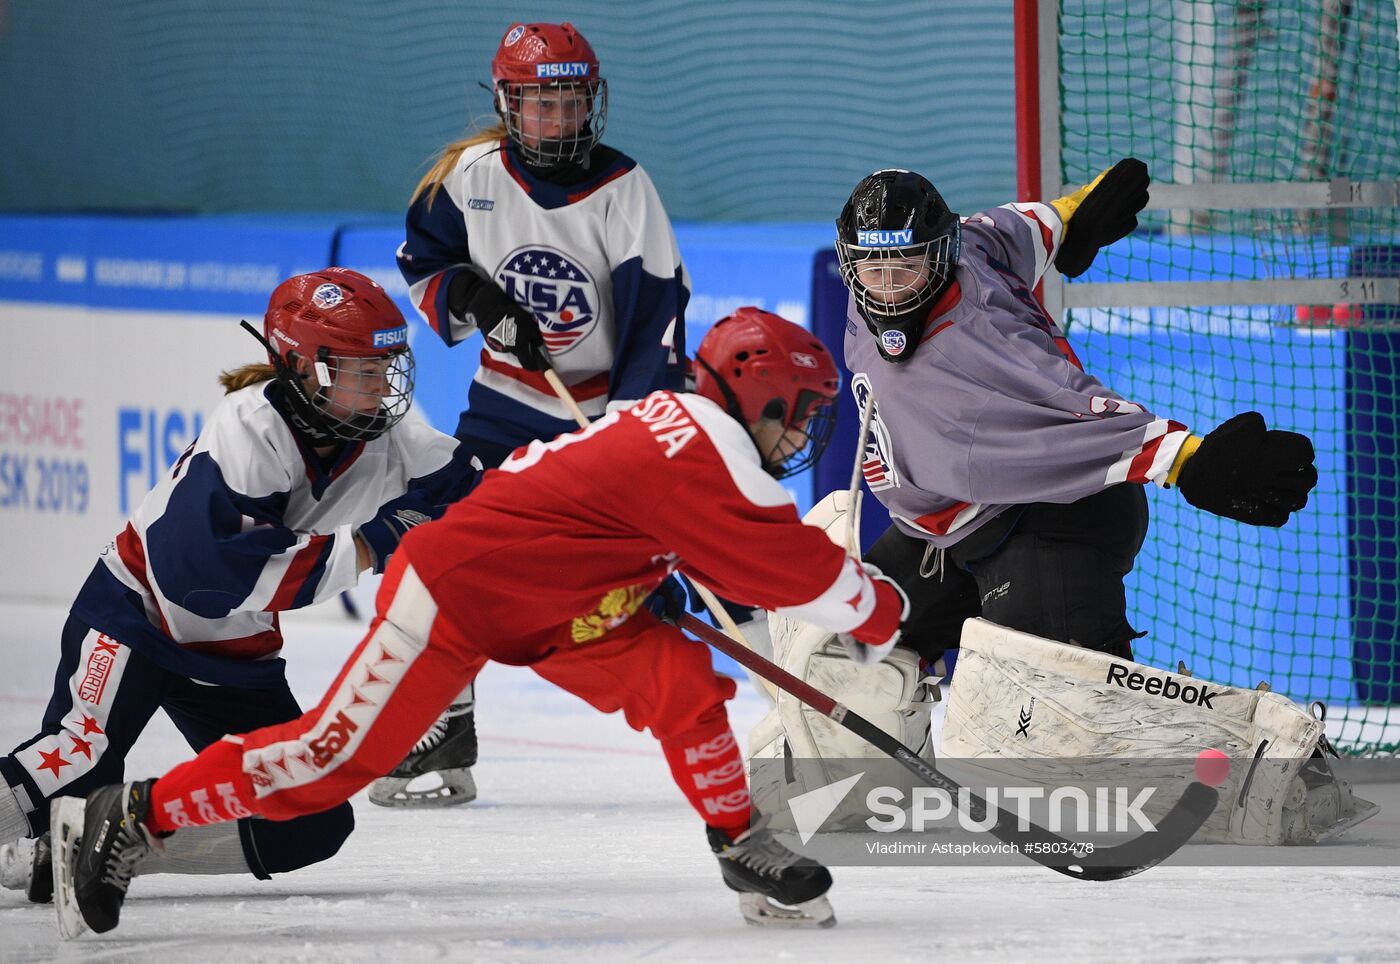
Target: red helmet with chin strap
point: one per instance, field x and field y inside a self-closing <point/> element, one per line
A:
<point x="335" y="311"/>
<point x="761" y="367"/>
<point x="351" y="335"/>
<point x="538" y="57"/>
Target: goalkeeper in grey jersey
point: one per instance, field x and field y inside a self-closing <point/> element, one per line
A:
<point x="1013" y="477"/>
<point x="1016" y="485"/>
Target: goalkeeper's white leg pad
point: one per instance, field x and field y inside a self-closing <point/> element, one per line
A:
<point x="758" y="639"/>
<point x="1015" y="695"/>
<point x="894" y="695"/>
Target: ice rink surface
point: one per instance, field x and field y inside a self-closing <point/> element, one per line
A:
<point x="580" y="849"/>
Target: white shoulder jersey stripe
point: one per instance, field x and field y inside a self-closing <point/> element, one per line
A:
<point x="1037" y="216"/>
<point x="537" y="449"/>
<point x="738" y="451"/>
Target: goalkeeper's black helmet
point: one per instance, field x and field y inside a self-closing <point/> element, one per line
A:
<point x="897" y="242"/>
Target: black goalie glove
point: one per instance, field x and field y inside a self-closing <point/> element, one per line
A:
<point x="1247" y="472"/>
<point x="1104" y="213"/>
<point x="507" y="325"/>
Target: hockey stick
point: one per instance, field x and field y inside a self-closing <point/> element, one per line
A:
<point x="565" y="396"/>
<point x="853" y="502"/>
<point x="1044" y="847"/>
<point x="711" y="601"/>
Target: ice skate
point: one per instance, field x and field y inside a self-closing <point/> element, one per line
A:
<point x="447" y="750"/>
<point x="100" y="843"/>
<point x="776" y="887"/>
<point x="27" y="865"/>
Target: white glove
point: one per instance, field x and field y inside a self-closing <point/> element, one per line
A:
<point x="868" y="654"/>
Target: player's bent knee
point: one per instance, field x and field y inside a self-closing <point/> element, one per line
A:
<point x="692" y="727"/>
<point x="279" y="846"/>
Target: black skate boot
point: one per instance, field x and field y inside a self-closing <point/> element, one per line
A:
<point x="775" y="885"/>
<point x="99" y="842"/>
<point x="448" y="749"/>
<point x="40" y="890"/>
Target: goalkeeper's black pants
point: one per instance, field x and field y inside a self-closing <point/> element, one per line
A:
<point x="1053" y="570"/>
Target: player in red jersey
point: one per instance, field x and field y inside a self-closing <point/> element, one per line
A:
<point x="546" y="566"/>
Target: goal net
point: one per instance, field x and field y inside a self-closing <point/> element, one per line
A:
<point x="1265" y="276"/>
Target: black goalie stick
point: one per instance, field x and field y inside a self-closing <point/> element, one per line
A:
<point x="1044" y="847"/>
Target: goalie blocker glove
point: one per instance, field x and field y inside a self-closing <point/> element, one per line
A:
<point x="1250" y="473"/>
<point x="1100" y="213"/>
<point x="506" y="325"/>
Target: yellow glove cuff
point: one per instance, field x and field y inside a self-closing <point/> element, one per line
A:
<point x="1067" y="205"/>
<point x="1188" y="449"/>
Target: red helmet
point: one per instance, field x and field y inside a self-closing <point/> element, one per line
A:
<point x="760" y="367"/>
<point x="340" y="322"/>
<point x="557" y="127"/>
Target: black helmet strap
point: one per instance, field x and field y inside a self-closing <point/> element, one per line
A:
<point x="301" y="409"/>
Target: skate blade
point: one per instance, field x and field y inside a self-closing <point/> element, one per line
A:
<point x="66" y="829"/>
<point x="763" y="912"/>
<point x="457" y="788"/>
<point x="1365" y="810"/>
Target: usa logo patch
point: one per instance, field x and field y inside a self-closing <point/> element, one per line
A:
<point x="557" y="288"/>
<point x="875" y="464"/>
<point x="514" y="36"/>
<point x="327" y="296"/>
<point x="893" y="340"/>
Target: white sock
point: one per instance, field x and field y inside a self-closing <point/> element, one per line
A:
<point x="215" y="848"/>
<point x="465" y="702"/>
<point x="13" y="823"/>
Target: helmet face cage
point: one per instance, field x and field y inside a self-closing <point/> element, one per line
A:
<point x="554" y="123"/>
<point x="895" y="280"/>
<point x="818" y="425"/>
<point x="361" y="398"/>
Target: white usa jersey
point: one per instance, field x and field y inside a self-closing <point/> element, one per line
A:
<point x="596" y="262"/>
<point x="247" y="523"/>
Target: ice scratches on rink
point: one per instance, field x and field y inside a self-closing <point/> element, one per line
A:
<point x="580" y="849"/>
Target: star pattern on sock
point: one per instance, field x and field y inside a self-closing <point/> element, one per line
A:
<point x="89" y="725"/>
<point x="53" y="761"/>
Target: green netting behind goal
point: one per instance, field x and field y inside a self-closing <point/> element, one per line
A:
<point x="1292" y="95"/>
